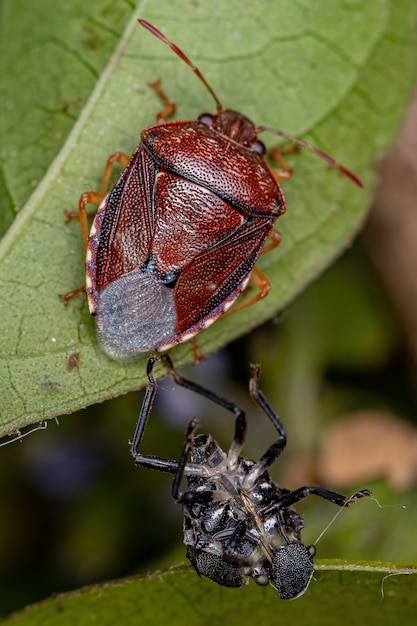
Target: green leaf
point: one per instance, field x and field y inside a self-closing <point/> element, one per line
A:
<point x="337" y="74"/>
<point x="368" y="593"/>
<point x="51" y="57"/>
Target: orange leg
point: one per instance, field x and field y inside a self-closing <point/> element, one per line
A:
<point x="274" y="241"/>
<point x="264" y="286"/>
<point x="169" y="106"/>
<point x="198" y="355"/>
<point x="95" y="197"/>
<point x="277" y="154"/>
<point x="92" y="197"/>
<point x="74" y="293"/>
<point x="257" y="278"/>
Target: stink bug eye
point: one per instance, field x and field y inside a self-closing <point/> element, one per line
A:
<point x="175" y="242"/>
<point x="238" y="523"/>
<point x="207" y="119"/>
<point x="258" y="146"/>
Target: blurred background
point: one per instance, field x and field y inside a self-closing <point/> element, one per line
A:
<point x="338" y="365"/>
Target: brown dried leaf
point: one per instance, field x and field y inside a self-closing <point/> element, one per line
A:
<point x="368" y="445"/>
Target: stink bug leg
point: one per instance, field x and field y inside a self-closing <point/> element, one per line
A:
<point x="259" y="280"/>
<point x="169" y="106"/>
<point x="277" y="154"/>
<point x="175" y="242"/>
<point x="238" y="523"/>
<point x="97" y="197"/>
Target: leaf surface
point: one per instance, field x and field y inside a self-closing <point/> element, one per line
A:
<point x="317" y="70"/>
<point x="369" y="593"/>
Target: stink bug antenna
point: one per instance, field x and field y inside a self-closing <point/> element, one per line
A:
<point x="152" y="29"/>
<point x="323" y="155"/>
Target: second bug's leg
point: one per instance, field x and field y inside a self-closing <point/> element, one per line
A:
<point x="167" y="465"/>
<point x="151" y="462"/>
<point x="233" y="548"/>
<point x="188" y="497"/>
<point x="278" y="446"/>
<point x="332" y="496"/>
<point x="240" y="421"/>
<point x="186" y="451"/>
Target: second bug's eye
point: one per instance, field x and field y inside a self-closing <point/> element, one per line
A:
<point x="206" y="118"/>
<point x="258" y="146"/>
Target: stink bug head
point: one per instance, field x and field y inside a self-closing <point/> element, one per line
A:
<point x="236" y="126"/>
<point x="227" y="122"/>
<point x="238" y="523"/>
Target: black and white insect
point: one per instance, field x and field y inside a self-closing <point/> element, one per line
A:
<point x="238" y="523"/>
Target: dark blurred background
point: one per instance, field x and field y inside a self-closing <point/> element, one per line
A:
<point x="339" y="365"/>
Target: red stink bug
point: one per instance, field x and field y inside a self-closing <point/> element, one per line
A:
<point x="175" y="241"/>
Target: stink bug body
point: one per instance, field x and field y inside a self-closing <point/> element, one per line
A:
<point x="175" y="241"/>
<point x="238" y="523"/>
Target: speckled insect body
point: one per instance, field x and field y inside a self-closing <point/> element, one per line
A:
<point x="175" y="242"/>
<point x="238" y="523"/>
